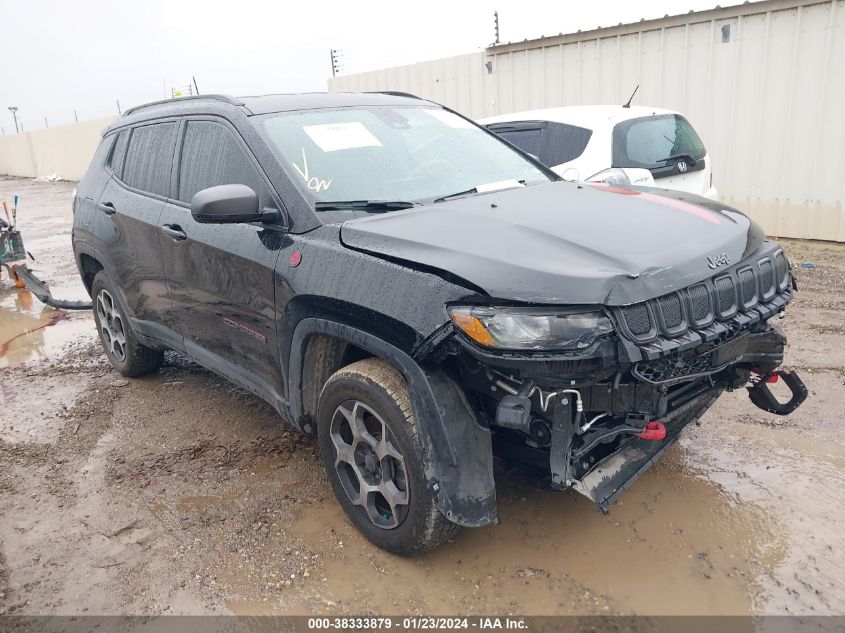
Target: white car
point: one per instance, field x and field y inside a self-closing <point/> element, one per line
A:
<point x="615" y="144"/>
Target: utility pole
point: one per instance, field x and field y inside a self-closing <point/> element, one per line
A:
<point x="14" y="111"/>
<point x="335" y="62"/>
<point x="496" y="26"/>
<point x="75" y="118"/>
<point x="47" y="125"/>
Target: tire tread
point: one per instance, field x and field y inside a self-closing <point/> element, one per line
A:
<point x="140" y="359"/>
<point x="437" y="528"/>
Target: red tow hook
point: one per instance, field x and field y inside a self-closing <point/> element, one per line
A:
<point x="770" y="377"/>
<point x="653" y="431"/>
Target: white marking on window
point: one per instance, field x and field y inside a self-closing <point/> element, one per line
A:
<point x="312" y="182"/>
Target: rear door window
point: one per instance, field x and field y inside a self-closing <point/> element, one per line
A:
<point x="211" y="156"/>
<point x="553" y="143"/>
<point x="563" y="143"/>
<point x="118" y="153"/>
<point x="150" y="157"/>
<point x="656" y="143"/>
<point x="525" y="138"/>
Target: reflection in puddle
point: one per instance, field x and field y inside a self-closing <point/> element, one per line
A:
<point x="796" y="473"/>
<point x="30" y="331"/>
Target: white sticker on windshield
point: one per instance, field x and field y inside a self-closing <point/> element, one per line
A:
<point x="334" y="136"/>
<point x="452" y="120"/>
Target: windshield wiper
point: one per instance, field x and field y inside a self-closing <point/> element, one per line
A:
<point x="686" y="157"/>
<point x="488" y="188"/>
<point x="372" y="206"/>
<point x="457" y="195"/>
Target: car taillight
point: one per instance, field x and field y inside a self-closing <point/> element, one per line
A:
<point x="612" y="176"/>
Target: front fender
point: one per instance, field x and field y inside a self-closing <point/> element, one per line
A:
<point x="457" y="450"/>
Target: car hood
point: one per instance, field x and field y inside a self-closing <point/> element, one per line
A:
<point x="565" y="243"/>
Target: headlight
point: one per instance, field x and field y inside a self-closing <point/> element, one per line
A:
<point x="530" y="328"/>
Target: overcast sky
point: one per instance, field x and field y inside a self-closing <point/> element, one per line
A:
<point x="86" y="54"/>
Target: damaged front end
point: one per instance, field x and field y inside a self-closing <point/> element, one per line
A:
<point x="597" y="394"/>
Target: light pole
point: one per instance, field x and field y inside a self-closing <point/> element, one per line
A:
<point x="14" y="111"/>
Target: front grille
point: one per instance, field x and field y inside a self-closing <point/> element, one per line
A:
<point x="670" y="308"/>
<point x="781" y="268"/>
<point x="767" y="280"/>
<point x="748" y="287"/>
<point x="700" y="298"/>
<point x="636" y="316"/>
<point x="726" y="294"/>
<point x="666" y="369"/>
<point x="735" y="295"/>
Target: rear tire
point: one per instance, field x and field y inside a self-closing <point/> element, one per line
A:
<point x="370" y="448"/>
<point x="123" y="349"/>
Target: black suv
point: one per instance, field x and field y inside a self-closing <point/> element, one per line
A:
<point x="423" y="296"/>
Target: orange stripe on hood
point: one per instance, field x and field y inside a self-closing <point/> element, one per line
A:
<point x="686" y="207"/>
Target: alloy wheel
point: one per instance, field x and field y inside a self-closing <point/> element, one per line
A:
<point x="111" y="325"/>
<point x="370" y="466"/>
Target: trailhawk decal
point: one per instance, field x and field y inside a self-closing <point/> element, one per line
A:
<point x="243" y="328"/>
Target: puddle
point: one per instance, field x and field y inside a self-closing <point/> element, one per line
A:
<point x="258" y="606"/>
<point x="797" y="475"/>
<point x="32" y="403"/>
<point x="29" y="330"/>
<point x="677" y="544"/>
<point x="195" y="503"/>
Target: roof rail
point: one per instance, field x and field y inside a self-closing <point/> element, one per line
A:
<point x="394" y="93"/>
<point x="223" y="98"/>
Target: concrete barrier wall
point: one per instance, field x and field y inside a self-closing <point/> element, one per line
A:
<point x="65" y="150"/>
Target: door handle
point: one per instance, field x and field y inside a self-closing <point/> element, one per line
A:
<point x="107" y="208"/>
<point x="174" y="231"/>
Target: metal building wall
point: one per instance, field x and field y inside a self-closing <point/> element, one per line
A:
<point x="763" y="83"/>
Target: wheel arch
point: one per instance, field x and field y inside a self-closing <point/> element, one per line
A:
<point x="89" y="266"/>
<point x="457" y="450"/>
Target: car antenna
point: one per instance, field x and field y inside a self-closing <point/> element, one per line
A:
<point x="628" y="105"/>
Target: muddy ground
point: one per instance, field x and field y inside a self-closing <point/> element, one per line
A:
<point x="179" y="493"/>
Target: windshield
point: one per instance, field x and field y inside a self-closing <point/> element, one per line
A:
<point x="389" y="153"/>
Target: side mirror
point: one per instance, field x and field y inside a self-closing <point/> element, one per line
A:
<point x="226" y="204"/>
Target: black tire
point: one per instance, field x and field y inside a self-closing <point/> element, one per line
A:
<point x="381" y="394"/>
<point x="128" y="356"/>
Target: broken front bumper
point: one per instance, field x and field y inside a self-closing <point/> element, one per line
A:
<point x="42" y="291"/>
<point x="612" y="421"/>
<point x="604" y="481"/>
